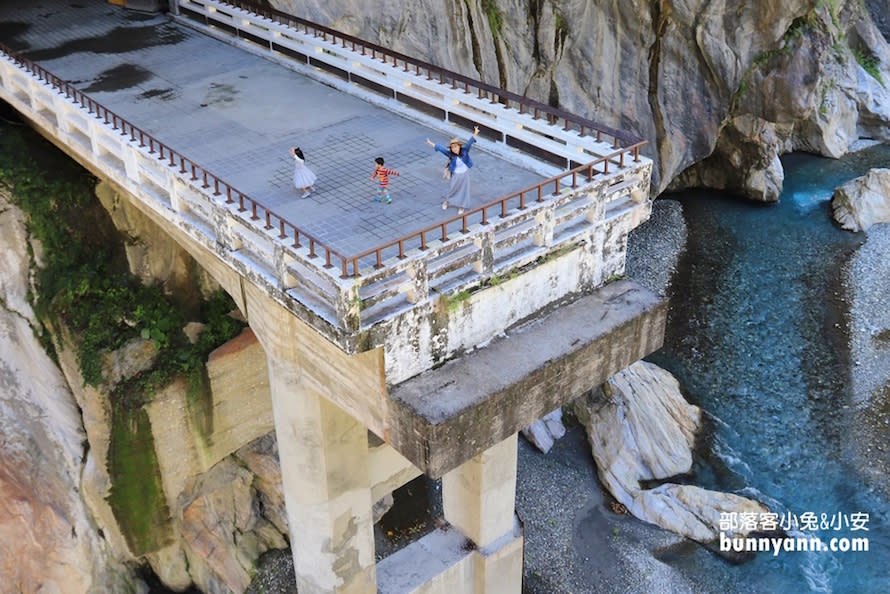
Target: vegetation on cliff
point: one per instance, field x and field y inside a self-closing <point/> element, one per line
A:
<point x="81" y="283"/>
<point x="81" y="277"/>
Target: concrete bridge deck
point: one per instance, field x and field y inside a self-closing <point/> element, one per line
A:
<point x="444" y="350"/>
<point x="237" y="114"/>
<point x="200" y="131"/>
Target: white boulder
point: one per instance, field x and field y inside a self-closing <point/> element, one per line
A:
<point x="864" y="201"/>
<point x="640" y="428"/>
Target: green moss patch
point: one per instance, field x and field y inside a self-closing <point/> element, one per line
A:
<point x="137" y="495"/>
<point x="83" y="281"/>
<point x="83" y="284"/>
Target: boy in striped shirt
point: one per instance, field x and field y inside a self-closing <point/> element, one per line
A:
<point x="382" y="174"/>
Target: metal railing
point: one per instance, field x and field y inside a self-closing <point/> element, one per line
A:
<point x="623" y="145"/>
<point x="407" y="264"/>
<point x="201" y="174"/>
<point x="538" y="110"/>
<point x="502" y="206"/>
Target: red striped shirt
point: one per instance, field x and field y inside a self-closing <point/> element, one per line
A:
<point x="382" y="174"/>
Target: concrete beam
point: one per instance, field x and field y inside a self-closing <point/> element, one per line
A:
<point x="448" y="415"/>
<point x="387" y="468"/>
<point x="445" y="561"/>
<point x="439" y="563"/>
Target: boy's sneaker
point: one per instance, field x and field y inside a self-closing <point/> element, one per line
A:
<point x="306" y="193"/>
<point x="388" y="199"/>
<point x="376" y="198"/>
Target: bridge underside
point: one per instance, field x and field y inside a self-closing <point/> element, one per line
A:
<point x="449" y="414"/>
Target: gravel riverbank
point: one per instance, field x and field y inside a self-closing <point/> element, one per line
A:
<point x="574" y="543"/>
<point x="867" y="280"/>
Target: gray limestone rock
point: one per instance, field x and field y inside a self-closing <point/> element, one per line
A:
<point x="640" y="428"/>
<point x="544" y="432"/>
<point x="863" y="202"/>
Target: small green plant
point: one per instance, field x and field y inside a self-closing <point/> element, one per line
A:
<point x="759" y="62"/>
<point x="825" y="88"/>
<point x="616" y="531"/>
<point x="833" y="10"/>
<point x="561" y="30"/>
<point x="458" y="298"/>
<point x="839" y="50"/>
<point x="763" y="58"/>
<point x="494" y="15"/>
<point x="798" y="27"/>
<point x="869" y="63"/>
<point x="559" y="252"/>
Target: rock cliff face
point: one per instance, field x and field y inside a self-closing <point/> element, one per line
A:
<point x="49" y="541"/>
<point x="91" y="491"/>
<point x="719" y="89"/>
<point x="878" y="10"/>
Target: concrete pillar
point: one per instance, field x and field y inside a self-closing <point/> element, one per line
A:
<point x="478" y="498"/>
<point x="497" y="569"/>
<point x="479" y="495"/>
<point x="324" y="470"/>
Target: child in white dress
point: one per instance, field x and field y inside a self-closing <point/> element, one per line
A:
<point x="304" y="178"/>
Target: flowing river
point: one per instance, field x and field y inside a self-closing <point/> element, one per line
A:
<point x="757" y="336"/>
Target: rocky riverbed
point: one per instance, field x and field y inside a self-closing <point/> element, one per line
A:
<point x="575" y="543"/>
<point x="867" y="280"/>
<point x="577" y="539"/>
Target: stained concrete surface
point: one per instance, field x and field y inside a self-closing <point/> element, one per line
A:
<point x="237" y="114"/>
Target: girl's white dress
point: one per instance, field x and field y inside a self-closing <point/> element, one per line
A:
<point x="303" y="176"/>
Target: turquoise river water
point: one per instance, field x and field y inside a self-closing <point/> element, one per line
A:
<point x="757" y="335"/>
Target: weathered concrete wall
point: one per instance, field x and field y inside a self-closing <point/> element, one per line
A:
<point x="241" y="409"/>
<point x="448" y="415"/>
<point x="436" y="331"/>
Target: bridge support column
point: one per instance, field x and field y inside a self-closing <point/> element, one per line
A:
<point x="479" y="498"/>
<point x="324" y="469"/>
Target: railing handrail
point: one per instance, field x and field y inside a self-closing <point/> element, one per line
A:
<point x="442" y="225"/>
<point x="172" y="156"/>
<point x="287" y="228"/>
<point x="583" y="124"/>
